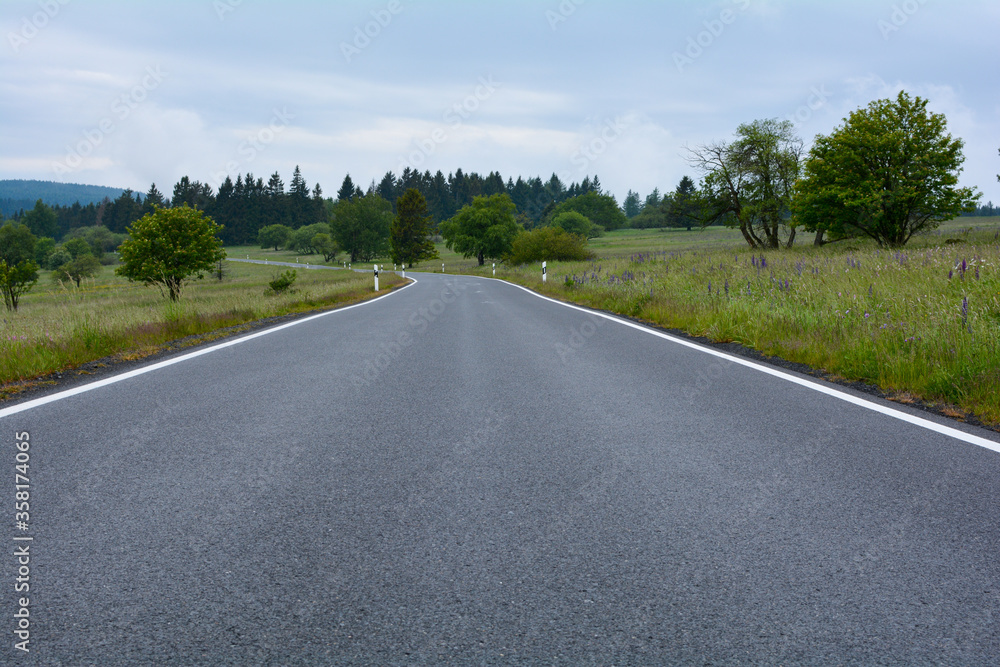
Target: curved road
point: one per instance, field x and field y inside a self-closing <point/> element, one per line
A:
<point x="465" y="473"/>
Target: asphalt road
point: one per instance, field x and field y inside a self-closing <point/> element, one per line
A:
<point x="465" y="473"/>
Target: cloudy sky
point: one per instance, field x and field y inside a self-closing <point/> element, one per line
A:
<point x="129" y="93"/>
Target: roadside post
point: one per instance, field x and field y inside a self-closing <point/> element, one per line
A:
<point x="494" y="269"/>
<point x="376" y="277"/>
<point x="544" y="272"/>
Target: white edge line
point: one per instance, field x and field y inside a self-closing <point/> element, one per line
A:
<point x="44" y="400"/>
<point x="809" y="384"/>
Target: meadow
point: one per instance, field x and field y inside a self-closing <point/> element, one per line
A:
<point x="59" y="327"/>
<point x="921" y="322"/>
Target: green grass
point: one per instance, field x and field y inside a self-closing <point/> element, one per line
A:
<point x="891" y="318"/>
<point x="59" y="327"/>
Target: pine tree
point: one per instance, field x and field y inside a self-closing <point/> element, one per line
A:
<point x="347" y="190"/>
<point x="410" y="231"/>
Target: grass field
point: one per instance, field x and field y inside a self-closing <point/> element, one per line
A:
<point x="923" y="321"/>
<point x="59" y="327"/>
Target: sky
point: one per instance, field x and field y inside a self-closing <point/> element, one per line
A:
<point x="126" y="94"/>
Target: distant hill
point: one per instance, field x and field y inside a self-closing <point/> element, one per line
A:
<point x="17" y="195"/>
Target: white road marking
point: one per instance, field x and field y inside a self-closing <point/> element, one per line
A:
<point x="809" y="384"/>
<point x="45" y="400"/>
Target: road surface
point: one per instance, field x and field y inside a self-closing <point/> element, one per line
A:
<point x="465" y="473"/>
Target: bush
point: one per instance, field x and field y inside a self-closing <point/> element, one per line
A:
<point x="57" y="258"/>
<point x="282" y="282"/>
<point x="548" y="244"/>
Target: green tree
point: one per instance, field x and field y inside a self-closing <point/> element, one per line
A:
<point x="633" y="205"/>
<point x="361" y="226"/>
<point x="43" y="248"/>
<point x="84" y="266"/>
<point x="273" y="236"/>
<point x="325" y="245"/>
<point x="409" y="239"/>
<point x="683" y="209"/>
<point x="169" y="246"/>
<point x="486" y="228"/>
<point x="41" y="220"/>
<point x="548" y="244"/>
<point x="301" y="239"/>
<point x="577" y="223"/>
<point x="600" y="209"/>
<point x="77" y="247"/>
<point x="18" y="270"/>
<point x="748" y="183"/>
<point x="889" y="172"/>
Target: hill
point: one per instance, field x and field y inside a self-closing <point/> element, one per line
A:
<point x="20" y="194"/>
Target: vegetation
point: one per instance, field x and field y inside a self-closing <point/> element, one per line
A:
<point x="59" y="327"/>
<point x="274" y="236"/>
<point x="410" y="231"/>
<point x="361" y="226"/>
<point x="165" y="248"/>
<point x="282" y="282"/>
<point x="748" y="182"/>
<point x="485" y="229"/>
<point x="18" y="270"/>
<point x="891" y="171"/>
<point x="548" y="244"/>
<point x="577" y="223"/>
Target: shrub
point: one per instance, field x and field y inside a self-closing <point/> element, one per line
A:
<point x="548" y="244"/>
<point x="282" y="282"/>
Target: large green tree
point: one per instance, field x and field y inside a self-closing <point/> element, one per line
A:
<point x="169" y="246"/>
<point x="41" y="220"/>
<point x="889" y="172"/>
<point x="577" y="223"/>
<point x="410" y="233"/>
<point x="749" y="182"/>
<point x="361" y="224"/>
<point x="599" y="208"/>
<point x="18" y="270"/>
<point x="683" y="209"/>
<point x="484" y="229"/>
<point x="273" y="236"/>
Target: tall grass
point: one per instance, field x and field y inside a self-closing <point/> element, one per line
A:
<point x="59" y="326"/>
<point x="921" y="321"/>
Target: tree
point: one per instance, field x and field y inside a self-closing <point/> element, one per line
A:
<point x="361" y="226"/>
<point x="325" y="245"/>
<point x="600" y="209"/>
<point x="409" y="236"/>
<point x="683" y="209"/>
<point x="577" y="223"/>
<point x="273" y="236"/>
<point x="632" y="205"/>
<point x="301" y="239"/>
<point x="486" y="228"/>
<point x="889" y="172"/>
<point x="748" y="183"/>
<point x="347" y="189"/>
<point x="41" y="220"/>
<point x="167" y="247"/>
<point x="84" y="266"/>
<point x="153" y="200"/>
<point x="18" y="270"/>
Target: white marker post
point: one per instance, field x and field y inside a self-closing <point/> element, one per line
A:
<point x="404" y="270"/>
<point x="494" y="269"/>
<point x="544" y="271"/>
<point x="442" y="268"/>
<point x="376" y="277"/>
